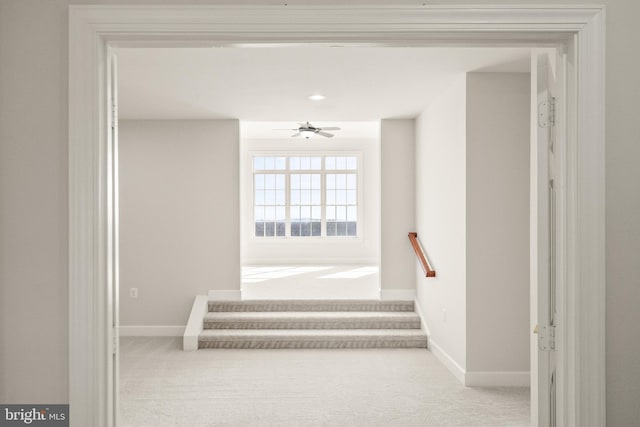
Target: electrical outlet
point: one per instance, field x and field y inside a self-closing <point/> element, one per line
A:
<point x="444" y="315"/>
<point x="133" y="292"/>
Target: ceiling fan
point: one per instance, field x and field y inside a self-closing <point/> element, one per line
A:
<point x="307" y="130"/>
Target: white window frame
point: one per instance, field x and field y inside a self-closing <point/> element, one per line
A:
<point x="93" y="30"/>
<point x="359" y="171"/>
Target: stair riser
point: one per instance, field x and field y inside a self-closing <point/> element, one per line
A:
<point x="313" y="324"/>
<point x="333" y="344"/>
<point x="243" y="306"/>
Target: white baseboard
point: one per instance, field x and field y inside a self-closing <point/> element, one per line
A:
<point x="480" y="378"/>
<point x="447" y="361"/>
<point x="195" y="323"/>
<point x="226" y="295"/>
<point x="151" y="331"/>
<point x="397" y="294"/>
<point x="498" y="379"/>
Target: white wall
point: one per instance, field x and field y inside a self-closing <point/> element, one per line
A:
<point x="440" y="163"/>
<point x="34" y="197"/>
<point x="472" y="204"/>
<point x="179" y="216"/>
<point x="362" y="249"/>
<point x="397" y="140"/>
<point x="497" y="191"/>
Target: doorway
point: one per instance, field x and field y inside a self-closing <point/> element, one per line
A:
<point x="171" y="168"/>
<point x="84" y="195"/>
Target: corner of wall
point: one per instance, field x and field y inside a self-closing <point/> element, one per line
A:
<point x="440" y="173"/>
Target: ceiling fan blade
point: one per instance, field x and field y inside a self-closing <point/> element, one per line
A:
<point x="331" y="128"/>
<point x="284" y="129"/>
<point x="327" y="134"/>
<point x="295" y="134"/>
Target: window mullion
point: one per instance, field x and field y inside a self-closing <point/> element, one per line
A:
<point x="323" y="200"/>
<point x="253" y="204"/>
<point x="287" y="199"/>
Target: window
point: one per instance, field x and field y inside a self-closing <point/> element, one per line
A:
<point x="305" y="196"/>
<point x="269" y="197"/>
<point x="342" y="200"/>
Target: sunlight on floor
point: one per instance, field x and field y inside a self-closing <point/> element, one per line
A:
<point x="260" y="274"/>
<point x="310" y="281"/>
<point x="354" y="273"/>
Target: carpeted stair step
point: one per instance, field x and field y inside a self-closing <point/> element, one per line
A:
<point x="312" y="338"/>
<point x="310" y="305"/>
<point x="312" y="320"/>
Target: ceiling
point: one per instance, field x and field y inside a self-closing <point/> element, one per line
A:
<point x="274" y="83"/>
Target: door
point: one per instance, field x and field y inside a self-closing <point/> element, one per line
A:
<point x="544" y="237"/>
<point x="113" y="231"/>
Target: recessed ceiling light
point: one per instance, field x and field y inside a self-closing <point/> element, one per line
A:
<point x="317" y="97"/>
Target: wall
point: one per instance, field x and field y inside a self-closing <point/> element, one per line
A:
<point x="179" y="216"/>
<point x="472" y="201"/>
<point x="397" y="140"/>
<point x="498" y="142"/>
<point x="34" y="197"/>
<point x="440" y="160"/>
<point x="33" y="203"/>
<point x="363" y="249"/>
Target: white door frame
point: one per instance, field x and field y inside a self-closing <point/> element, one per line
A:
<point x="93" y="29"/>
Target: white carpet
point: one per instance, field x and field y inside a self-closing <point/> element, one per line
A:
<point x="160" y="385"/>
<point x="310" y="282"/>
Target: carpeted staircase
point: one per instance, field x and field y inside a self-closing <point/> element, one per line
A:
<point x="312" y="324"/>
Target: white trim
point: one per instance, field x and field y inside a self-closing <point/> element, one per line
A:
<point x="91" y="400"/>
<point x="397" y="294"/>
<point x="93" y="28"/>
<point x="226" y="295"/>
<point x="447" y="361"/>
<point x="151" y="331"/>
<point x="480" y="378"/>
<point x="585" y="340"/>
<point x="195" y="324"/>
<point x="497" y="379"/>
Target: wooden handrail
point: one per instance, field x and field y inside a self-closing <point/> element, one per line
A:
<point x="417" y="248"/>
